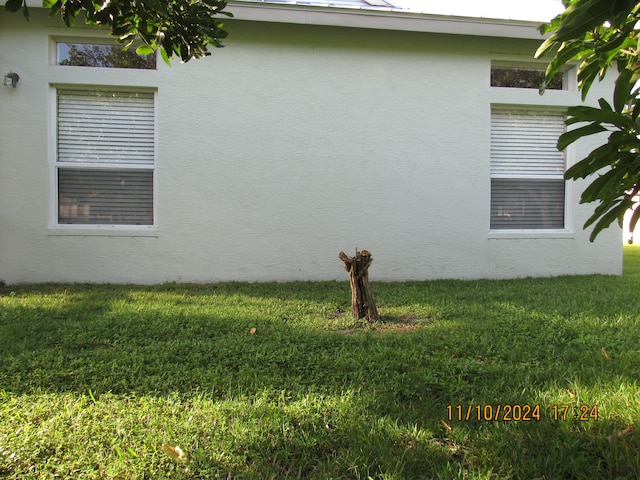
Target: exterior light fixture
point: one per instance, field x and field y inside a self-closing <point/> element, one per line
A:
<point x="11" y="79"/>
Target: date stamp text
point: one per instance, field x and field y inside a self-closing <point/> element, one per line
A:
<point x="521" y="412"/>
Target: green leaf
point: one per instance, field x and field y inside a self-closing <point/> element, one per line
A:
<point x="622" y="92"/>
<point x="605" y="221"/>
<point x="607" y="213"/>
<point x="183" y="27"/>
<point x="600" y="186"/>
<point x="122" y="30"/>
<point x="566" y="53"/>
<point x="592" y="163"/>
<point x="622" y="40"/>
<point x="580" y="17"/>
<point x="54" y="6"/>
<point x="634" y="218"/>
<point x="604" y="105"/>
<point x="547" y="45"/>
<point x="13" y="5"/>
<point x="571" y="136"/>
<point x="587" y="72"/>
<point x="165" y="56"/>
<point x="144" y="50"/>
<point x="127" y="40"/>
<point x="636" y="110"/>
<point x="581" y="34"/>
<point x="583" y="113"/>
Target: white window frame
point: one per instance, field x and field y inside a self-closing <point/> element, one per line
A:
<point x="566" y="230"/>
<point x="56" y="228"/>
<point x="567" y="74"/>
<point x="529" y="98"/>
<point x="82" y="39"/>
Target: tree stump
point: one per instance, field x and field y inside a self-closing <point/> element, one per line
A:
<point x="363" y="305"/>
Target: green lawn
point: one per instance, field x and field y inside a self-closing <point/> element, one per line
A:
<point x="275" y="381"/>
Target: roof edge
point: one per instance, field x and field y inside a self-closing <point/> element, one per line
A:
<point x="384" y="20"/>
<point x="380" y="19"/>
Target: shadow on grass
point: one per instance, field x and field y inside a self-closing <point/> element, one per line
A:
<point x="558" y="341"/>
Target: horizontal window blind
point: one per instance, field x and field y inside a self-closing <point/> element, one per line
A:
<point x="527" y="170"/>
<point x="95" y="196"/>
<point x="524" y="144"/>
<point x="106" y="127"/>
<point x="106" y="156"/>
<point x="527" y="204"/>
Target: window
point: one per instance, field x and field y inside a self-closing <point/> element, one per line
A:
<point x="527" y="170"/>
<point x="524" y="77"/>
<point x="105" y="157"/>
<point x="102" y="55"/>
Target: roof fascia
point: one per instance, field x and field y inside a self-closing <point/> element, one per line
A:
<point x="381" y="19"/>
<point x="385" y="20"/>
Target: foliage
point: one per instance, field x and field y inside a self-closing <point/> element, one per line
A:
<point x="602" y="35"/>
<point x="274" y="380"/>
<point x="93" y="55"/>
<point x="182" y="27"/>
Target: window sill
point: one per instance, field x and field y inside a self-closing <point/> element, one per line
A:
<point x="102" y="231"/>
<point x="530" y="234"/>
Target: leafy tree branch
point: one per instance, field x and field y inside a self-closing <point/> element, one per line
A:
<point x="179" y="27"/>
<point x="602" y="35"/>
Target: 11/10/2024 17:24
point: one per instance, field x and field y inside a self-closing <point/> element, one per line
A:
<point x="518" y="412"/>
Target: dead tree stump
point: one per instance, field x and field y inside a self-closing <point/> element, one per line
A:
<point x="363" y="305"/>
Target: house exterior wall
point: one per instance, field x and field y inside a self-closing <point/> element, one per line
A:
<point x="277" y="152"/>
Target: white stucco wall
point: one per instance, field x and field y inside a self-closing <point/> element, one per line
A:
<point x="292" y="143"/>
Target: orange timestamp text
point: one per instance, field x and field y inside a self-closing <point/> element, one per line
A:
<point x="521" y="412"/>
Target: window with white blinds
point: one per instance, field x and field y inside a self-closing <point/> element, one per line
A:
<point x="527" y="170"/>
<point x="105" y="157"/>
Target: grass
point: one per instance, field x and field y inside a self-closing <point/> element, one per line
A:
<point x="274" y="380"/>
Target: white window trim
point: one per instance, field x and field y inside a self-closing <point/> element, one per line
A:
<point x="560" y="233"/>
<point x="567" y="84"/>
<point x="58" y="229"/>
<point x="570" y="80"/>
<point x="90" y="40"/>
<point x="567" y="232"/>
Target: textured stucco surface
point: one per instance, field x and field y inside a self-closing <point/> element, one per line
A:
<point x="292" y="143"/>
